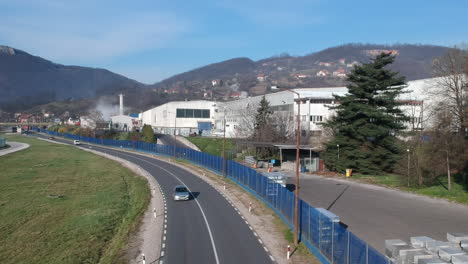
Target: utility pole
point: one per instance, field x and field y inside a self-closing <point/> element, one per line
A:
<point x="224" y="143"/>
<point x="175" y="137"/>
<point x="298" y="162"/>
<point x="407" y="150"/>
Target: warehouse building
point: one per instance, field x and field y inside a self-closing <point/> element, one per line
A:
<point x="183" y="117"/>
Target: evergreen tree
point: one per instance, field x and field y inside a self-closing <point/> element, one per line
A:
<point x="148" y="134"/>
<point x="262" y="118"/>
<point x="367" y="120"/>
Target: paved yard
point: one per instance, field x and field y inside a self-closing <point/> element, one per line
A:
<point x="375" y="213"/>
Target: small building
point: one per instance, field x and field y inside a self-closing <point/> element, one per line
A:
<point x="341" y="73"/>
<point x="261" y="77"/>
<point x="300" y="75"/>
<point x="181" y="117"/>
<point x="322" y="73"/>
<point x="124" y="122"/>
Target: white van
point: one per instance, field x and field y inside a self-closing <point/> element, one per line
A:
<point x="76" y="142"/>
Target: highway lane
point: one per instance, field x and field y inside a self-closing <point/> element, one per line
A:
<point x="203" y="230"/>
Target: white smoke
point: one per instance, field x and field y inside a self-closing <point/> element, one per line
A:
<point x="107" y="109"/>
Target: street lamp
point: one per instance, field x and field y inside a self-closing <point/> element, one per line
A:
<point x="408" y="151"/>
<point x="224" y="142"/>
<point x="298" y="140"/>
<point x="175" y="137"/>
<point x="338" y="146"/>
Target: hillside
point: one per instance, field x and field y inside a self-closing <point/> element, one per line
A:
<point x="324" y="68"/>
<point x="27" y="80"/>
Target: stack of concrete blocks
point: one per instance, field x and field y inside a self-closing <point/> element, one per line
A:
<point x="425" y="250"/>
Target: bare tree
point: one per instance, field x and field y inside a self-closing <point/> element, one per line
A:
<point x="451" y="71"/>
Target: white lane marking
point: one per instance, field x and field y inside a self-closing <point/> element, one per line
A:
<point x="255" y="234"/>
<point x="251" y="228"/>
<point x="266" y="249"/>
<point x="271" y="257"/>
<point x="161" y="262"/>
<point x="165" y="226"/>
<point x="164" y="238"/>
<point x="164" y="245"/>
<point x="162" y="253"/>
<point x="260" y="241"/>
<point x="164" y="231"/>
<point x="199" y="206"/>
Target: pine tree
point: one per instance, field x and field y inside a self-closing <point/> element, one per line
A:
<point x="367" y="120"/>
<point x="262" y="118"/>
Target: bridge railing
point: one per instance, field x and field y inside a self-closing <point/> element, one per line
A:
<point x="327" y="238"/>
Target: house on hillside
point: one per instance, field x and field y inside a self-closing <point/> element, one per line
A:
<point x="215" y="82"/>
<point x="322" y="73"/>
<point x="350" y="65"/>
<point x="300" y="75"/>
<point x="261" y="77"/>
<point x="342" y="61"/>
<point x="341" y="73"/>
<point x="239" y="95"/>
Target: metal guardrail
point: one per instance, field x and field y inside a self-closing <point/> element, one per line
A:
<point x="320" y="230"/>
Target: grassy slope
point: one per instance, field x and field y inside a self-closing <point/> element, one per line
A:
<point x="457" y="194"/>
<point x="90" y="224"/>
<point x="213" y="146"/>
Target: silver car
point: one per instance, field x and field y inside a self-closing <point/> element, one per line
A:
<point x="181" y="193"/>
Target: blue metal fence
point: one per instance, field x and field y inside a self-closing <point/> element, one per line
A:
<point x="330" y="241"/>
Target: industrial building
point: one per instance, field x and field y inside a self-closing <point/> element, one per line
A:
<point x="237" y="117"/>
<point x="183" y="117"/>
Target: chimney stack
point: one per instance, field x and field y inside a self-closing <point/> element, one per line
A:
<point x="121" y="111"/>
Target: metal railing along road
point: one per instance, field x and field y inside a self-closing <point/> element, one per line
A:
<point x="327" y="238"/>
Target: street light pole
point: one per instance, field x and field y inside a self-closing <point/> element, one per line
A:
<point x="175" y="137"/>
<point x="407" y="150"/>
<point x="298" y="161"/>
<point x="338" y="146"/>
<point x="224" y="143"/>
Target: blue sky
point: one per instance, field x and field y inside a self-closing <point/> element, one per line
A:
<point x="152" y="40"/>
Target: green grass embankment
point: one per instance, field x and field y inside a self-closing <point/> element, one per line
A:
<point x="213" y="146"/>
<point x="59" y="204"/>
<point x="458" y="193"/>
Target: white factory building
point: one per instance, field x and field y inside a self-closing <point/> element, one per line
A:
<point x="238" y="116"/>
<point x="124" y="123"/>
<point x="184" y="117"/>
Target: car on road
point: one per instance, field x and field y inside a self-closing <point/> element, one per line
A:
<point x="51" y="138"/>
<point x="181" y="193"/>
<point x="76" y="142"/>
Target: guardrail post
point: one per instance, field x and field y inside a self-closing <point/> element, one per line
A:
<point x="348" y="253"/>
<point x="332" y="243"/>
<point x="367" y="253"/>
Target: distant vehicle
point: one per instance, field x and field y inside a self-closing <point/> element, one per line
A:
<point x="51" y="138"/>
<point x="181" y="193"/>
<point x="76" y="142"/>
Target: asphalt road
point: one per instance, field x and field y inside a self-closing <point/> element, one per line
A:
<point x="206" y="229"/>
<point x="375" y="213"/>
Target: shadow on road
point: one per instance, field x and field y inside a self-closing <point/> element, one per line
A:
<point x="194" y="195"/>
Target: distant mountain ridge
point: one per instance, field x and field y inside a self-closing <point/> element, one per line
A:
<point x="324" y="68"/>
<point x="27" y="80"/>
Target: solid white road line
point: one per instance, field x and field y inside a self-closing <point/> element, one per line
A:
<point x="199" y="206"/>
